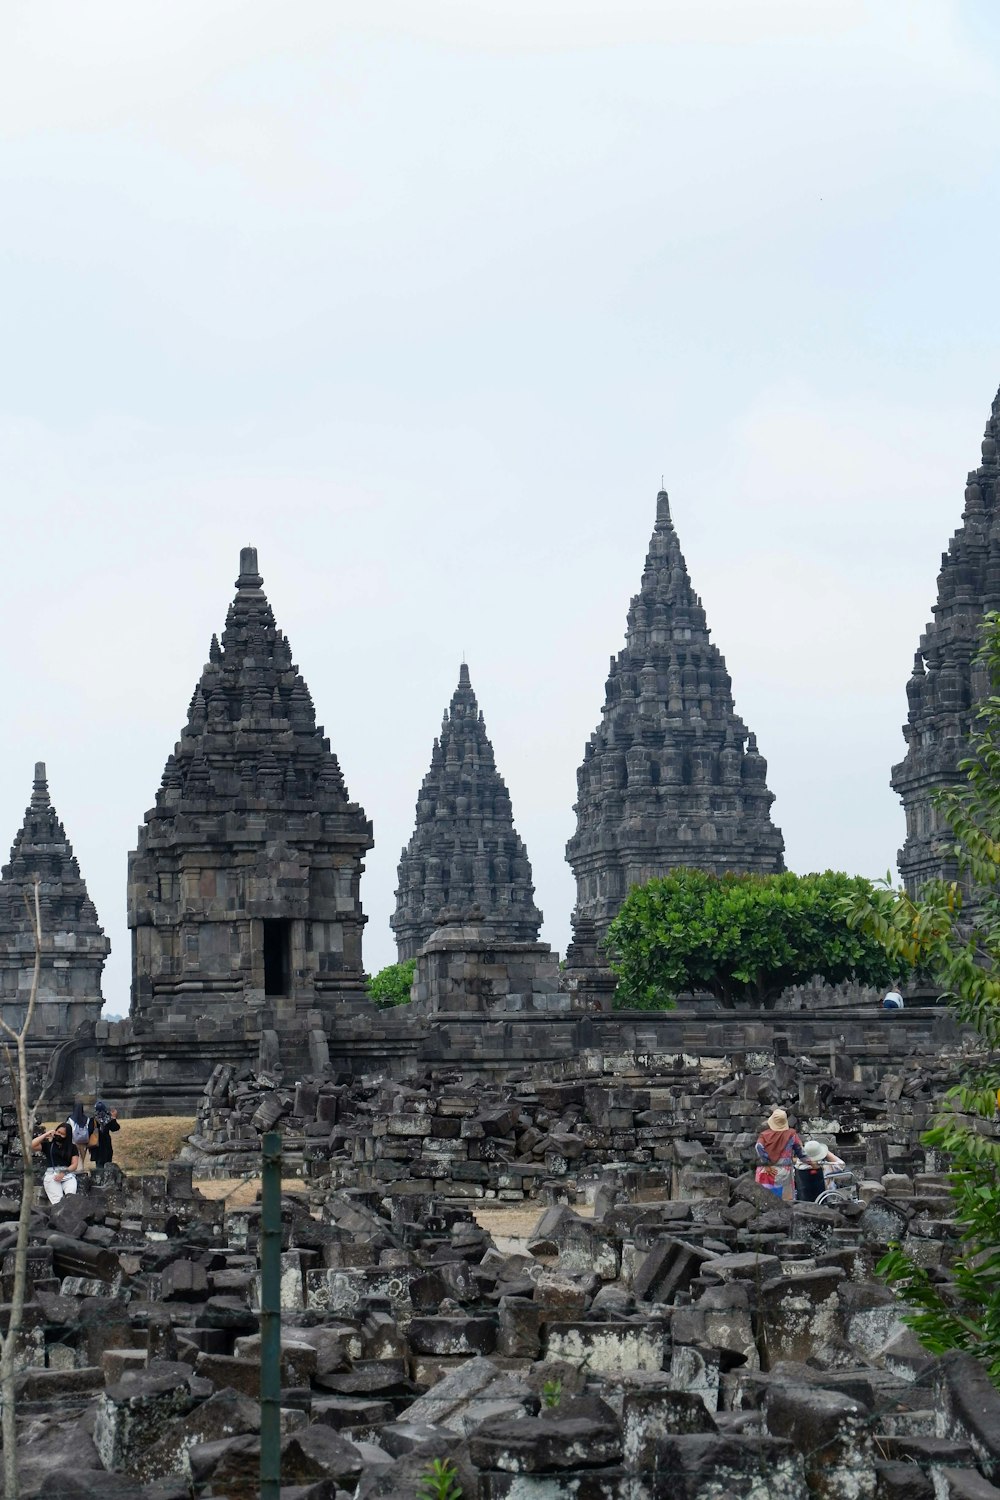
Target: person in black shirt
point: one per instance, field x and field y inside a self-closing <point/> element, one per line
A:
<point x="62" y="1161"/>
<point x="105" y="1123"/>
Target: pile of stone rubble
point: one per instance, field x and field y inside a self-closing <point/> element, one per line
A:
<point x="466" y="1138"/>
<point x="714" y="1342"/>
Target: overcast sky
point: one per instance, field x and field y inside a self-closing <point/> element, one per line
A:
<point x="422" y="299"/>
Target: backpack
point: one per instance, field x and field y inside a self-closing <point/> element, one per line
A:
<point x="81" y="1133"/>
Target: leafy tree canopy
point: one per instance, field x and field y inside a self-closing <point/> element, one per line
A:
<point x="961" y="949"/>
<point x="743" y="938"/>
<point x="391" y="985"/>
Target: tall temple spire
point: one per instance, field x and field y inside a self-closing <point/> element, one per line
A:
<point x="670" y="777"/>
<point x="945" y="685"/>
<point x="74" y="946"/>
<point x="244" y="887"/>
<point x="465" y="849"/>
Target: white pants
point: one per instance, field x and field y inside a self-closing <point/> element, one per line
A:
<point x="56" y="1191"/>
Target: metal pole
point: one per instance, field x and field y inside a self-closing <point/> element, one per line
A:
<point x="270" y="1319"/>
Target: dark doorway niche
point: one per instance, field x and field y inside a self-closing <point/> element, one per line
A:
<point x="277" y="955"/>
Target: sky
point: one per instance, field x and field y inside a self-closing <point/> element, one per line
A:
<point x="422" y="301"/>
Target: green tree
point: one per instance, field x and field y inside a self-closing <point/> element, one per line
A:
<point x="958" y="944"/>
<point x="743" y="938"/>
<point x="391" y="986"/>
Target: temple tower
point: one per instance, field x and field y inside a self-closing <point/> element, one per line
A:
<point x="670" y="777"/>
<point x="465" y="849"/>
<point x="945" y="686"/>
<point x="74" y="947"/>
<point x="243" y="891"/>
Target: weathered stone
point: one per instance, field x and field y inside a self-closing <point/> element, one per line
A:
<point x="134" y="1415"/>
<point x="579" y="1433"/>
<point x="832" y="1433"/>
<point x="716" y="1467"/>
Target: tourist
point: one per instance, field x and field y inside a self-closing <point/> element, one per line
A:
<point x="63" y="1159"/>
<point x="81" y="1129"/>
<point x="893" y="1000"/>
<point x="811" y="1177"/>
<point x="105" y="1124"/>
<point x="778" y="1148"/>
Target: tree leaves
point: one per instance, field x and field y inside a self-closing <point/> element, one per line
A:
<point x="743" y="938"/>
<point x="959" y="945"/>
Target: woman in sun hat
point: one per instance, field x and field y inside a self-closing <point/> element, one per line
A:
<point x="778" y="1148"/>
<point x="810" y="1177"/>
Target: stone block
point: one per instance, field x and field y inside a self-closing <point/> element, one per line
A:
<point x="134" y="1415"/>
<point x="453" y="1335"/>
<point x="670" y="1267"/>
<point x="650" y="1413"/>
<point x="833" y="1434"/>
<point x="709" y="1466"/>
<point x="580" y="1433"/>
<point x="607" y="1348"/>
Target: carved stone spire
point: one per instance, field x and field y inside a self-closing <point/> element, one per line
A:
<point x="670" y="777"/>
<point x="244" y="888"/>
<point x="74" y="947"/>
<point x="945" y="687"/>
<point x="465" y="850"/>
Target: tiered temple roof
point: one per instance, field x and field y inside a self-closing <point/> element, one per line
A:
<point x="74" y="946"/>
<point x="671" y="776"/>
<point x="252" y="825"/>
<point x="945" y="686"/>
<point x="465" y="849"/>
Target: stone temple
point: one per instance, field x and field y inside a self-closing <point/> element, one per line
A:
<point x="74" y="947"/>
<point x="670" y="777"/>
<point x="465" y="849"/>
<point x="244" y="889"/>
<point x="945" y="685"/>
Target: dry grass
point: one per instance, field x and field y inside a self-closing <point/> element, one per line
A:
<point x="147" y="1145"/>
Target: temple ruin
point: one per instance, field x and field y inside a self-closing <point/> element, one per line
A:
<point x="671" y="776"/>
<point x="244" y="888"/>
<point x="946" y="685"/>
<point x="465" y="849"/>
<point x="74" y="944"/>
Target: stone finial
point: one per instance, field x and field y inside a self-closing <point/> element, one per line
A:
<point x="663" y="510"/>
<point x="40" y="786"/>
<point x="249" y="577"/>
<point x="464" y="680"/>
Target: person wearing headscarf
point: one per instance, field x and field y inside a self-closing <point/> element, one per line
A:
<point x="778" y="1148"/>
<point x="105" y="1124"/>
<point x="62" y="1161"/>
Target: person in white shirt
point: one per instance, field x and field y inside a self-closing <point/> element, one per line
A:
<point x="893" y="1000"/>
